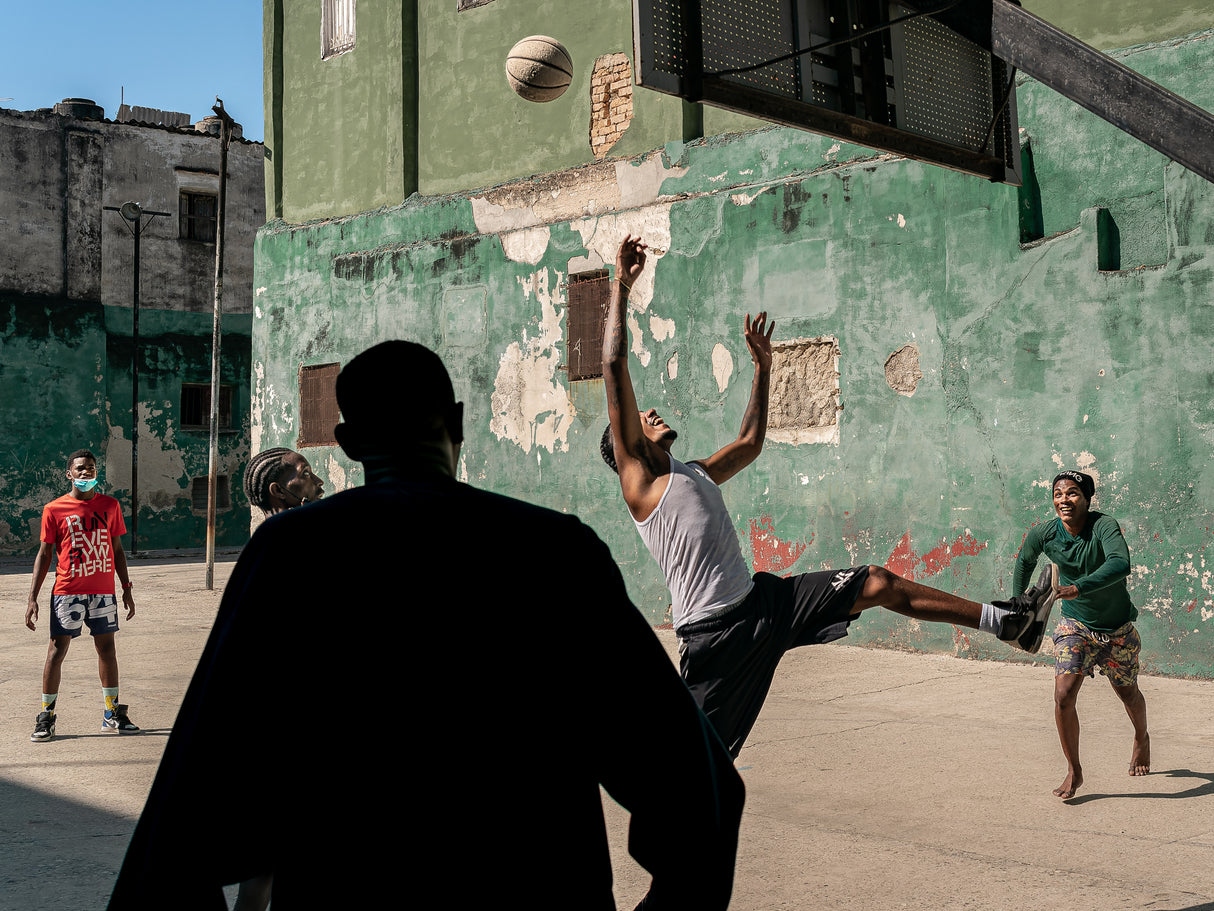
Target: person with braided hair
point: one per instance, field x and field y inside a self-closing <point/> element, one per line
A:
<point x="279" y="479"/>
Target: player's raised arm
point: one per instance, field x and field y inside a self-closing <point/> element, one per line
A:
<point x="632" y="455"/>
<point x="729" y="460"/>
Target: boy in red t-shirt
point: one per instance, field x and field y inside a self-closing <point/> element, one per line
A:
<point x="86" y="529"/>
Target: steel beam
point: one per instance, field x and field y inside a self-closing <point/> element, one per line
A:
<point x="1110" y="90"/>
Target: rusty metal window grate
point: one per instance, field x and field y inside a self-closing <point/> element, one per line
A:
<point x="198" y="493"/>
<point x="196" y="406"/>
<point x="199" y="215"/>
<point x="318" y="412"/>
<point x="588" y="293"/>
<point x="336" y="27"/>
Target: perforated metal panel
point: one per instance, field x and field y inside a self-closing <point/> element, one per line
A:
<point x="849" y="70"/>
<point x="943" y="83"/>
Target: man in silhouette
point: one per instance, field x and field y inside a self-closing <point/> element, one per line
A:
<point x="470" y="773"/>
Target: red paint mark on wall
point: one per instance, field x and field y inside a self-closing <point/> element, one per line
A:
<point x="1190" y="608"/>
<point x="903" y="560"/>
<point x="772" y="555"/>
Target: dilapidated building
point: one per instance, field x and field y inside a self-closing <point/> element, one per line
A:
<point x="67" y="279"/>
<point x="945" y="344"/>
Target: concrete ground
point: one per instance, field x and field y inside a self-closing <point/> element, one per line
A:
<point x="875" y="780"/>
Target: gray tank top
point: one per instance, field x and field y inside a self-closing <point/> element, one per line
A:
<point x="693" y="540"/>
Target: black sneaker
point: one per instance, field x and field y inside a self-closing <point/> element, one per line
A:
<point x="1025" y="626"/>
<point x="44" y="728"/>
<point x="117" y="720"/>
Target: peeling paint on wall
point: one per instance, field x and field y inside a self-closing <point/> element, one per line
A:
<point x="526" y="246"/>
<point x="529" y="407"/>
<point x="771" y="554"/>
<point x="722" y="366"/>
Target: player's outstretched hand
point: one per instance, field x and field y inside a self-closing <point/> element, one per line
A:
<point x="758" y="340"/>
<point x="630" y="260"/>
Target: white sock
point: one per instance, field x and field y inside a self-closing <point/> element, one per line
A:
<point x="991" y="620"/>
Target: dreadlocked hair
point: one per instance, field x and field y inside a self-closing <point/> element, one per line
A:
<point x="263" y="470"/>
<point x="607" y="449"/>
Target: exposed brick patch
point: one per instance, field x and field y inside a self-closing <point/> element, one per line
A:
<point x="610" y="102"/>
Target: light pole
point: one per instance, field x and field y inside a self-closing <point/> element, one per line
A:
<point x="132" y="215"/>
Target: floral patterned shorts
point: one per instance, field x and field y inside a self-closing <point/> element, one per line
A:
<point x="1078" y="650"/>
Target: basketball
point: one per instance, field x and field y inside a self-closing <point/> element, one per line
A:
<point x="539" y="68"/>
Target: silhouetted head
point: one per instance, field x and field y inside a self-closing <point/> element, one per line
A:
<point x="398" y="405"/>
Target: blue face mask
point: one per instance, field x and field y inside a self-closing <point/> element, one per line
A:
<point x="85" y="484"/>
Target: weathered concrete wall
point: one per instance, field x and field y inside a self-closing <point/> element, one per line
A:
<point x="66" y="319"/>
<point x="65" y="372"/>
<point x="1012" y="360"/>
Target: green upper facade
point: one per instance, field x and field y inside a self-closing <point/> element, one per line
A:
<point x="421" y="104"/>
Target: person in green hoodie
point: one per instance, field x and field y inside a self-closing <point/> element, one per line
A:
<point x="1097" y="625"/>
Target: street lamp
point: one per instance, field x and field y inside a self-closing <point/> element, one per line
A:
<point x="132" y="215"/>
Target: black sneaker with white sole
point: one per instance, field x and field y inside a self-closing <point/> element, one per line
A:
<point x="1025" y="626"/>
<point x="44" y="728"/>
<point x="117" y="720"/>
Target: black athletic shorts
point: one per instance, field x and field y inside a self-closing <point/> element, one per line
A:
<point x="728" y="661"/>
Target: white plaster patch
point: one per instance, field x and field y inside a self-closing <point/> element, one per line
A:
<point x="640" y="185"/>
<point x="901" y="220"/>
<point x="601" y="237"/>
<point x="644" y="355"/>
<point x="526" y="246"/>
<point x="337" y="475"/>
<point x="161" y="464"/>
<point x="257" y="311"/>
<point x="661" y="329"/>
<point x="719" y="177"/>
<point x="745" y="199"/>
<point x="259" y="377"/>
<point x="260" y="291"/>
<point x="833" y="152"/>
<point x="672" y="366"/>
<point x="530" y="409"/>
<point x="747" y="172"/>
<point x="722" y="366"/>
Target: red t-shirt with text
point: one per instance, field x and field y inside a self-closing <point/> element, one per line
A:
<point x="83" y="532"/>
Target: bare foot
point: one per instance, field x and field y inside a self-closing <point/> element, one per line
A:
<point x="1069" y="785"/>
<point x="1140" y="759"/>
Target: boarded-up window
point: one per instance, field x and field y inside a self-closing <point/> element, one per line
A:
<point x="198" y="493"/>
<point x="196" y="406"/>
<point x="336" y="27"/>
<point x="199" y="214"/>
<point x="318" y="413"/>
<point x="588" y="296"/>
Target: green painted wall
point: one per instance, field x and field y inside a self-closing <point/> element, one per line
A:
<point x="1108" y="24"/>
<point x="66" y="372"/>
<point x="341" y="132"/>
<point x="434" y="114"/>
<point x="1033" y="357"/>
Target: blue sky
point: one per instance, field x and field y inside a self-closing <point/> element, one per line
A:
<point x="172" y="54"/>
